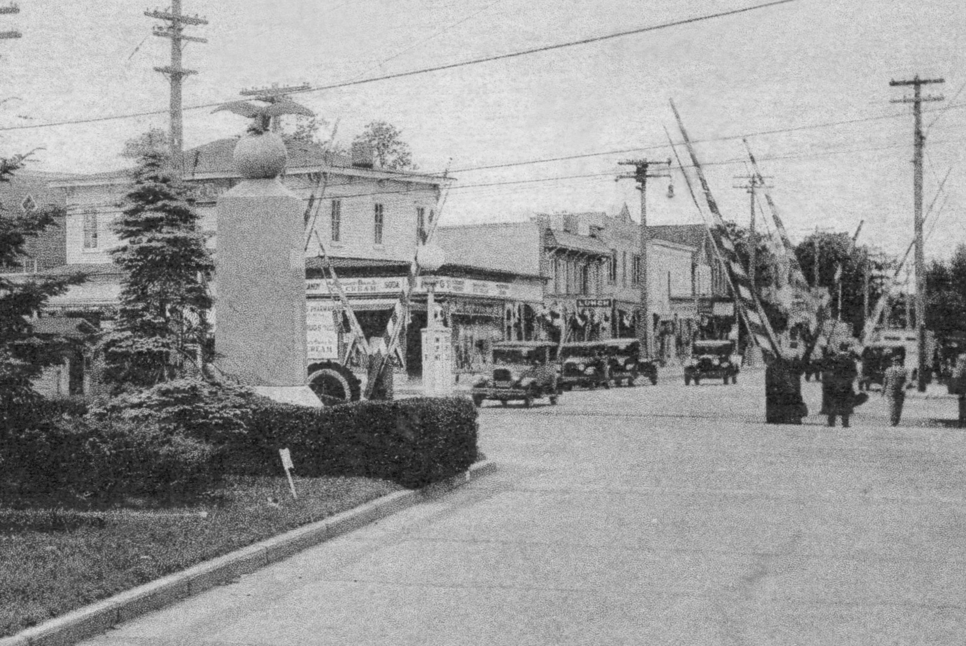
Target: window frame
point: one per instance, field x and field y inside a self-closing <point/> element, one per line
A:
<point x="90" y="231"/>
<point x="378" y="223"/>
<point x="335" y="220"/>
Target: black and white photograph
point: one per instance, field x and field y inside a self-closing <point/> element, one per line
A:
<point x="505" y="322"/>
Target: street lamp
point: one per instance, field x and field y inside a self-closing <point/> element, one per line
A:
<point x="437" y="348"/>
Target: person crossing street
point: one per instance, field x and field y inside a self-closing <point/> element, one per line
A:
<point x="894" y="388"/>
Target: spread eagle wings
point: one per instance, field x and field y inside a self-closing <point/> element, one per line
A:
<point x="276" y="109"/>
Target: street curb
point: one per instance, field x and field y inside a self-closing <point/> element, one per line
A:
<point x="103" y="615"/>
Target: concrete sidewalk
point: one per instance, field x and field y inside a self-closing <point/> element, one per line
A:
<point x="651" y="515"/>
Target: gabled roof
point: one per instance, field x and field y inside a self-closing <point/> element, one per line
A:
<point x="586" y="244"/>
<point x="76" y="328"/>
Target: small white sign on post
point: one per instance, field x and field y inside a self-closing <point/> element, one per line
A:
<point x="288" y="466"/>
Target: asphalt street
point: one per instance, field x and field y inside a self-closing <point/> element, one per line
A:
<point x="651" y="515"/>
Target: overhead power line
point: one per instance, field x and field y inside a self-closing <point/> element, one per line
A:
<point x="436" y="68"/>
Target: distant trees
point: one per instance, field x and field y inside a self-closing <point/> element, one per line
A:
<point x="23" y="355"/>
<point x="837" y="256"/>
<point x="388" y="148"/>
<point x="946" y="295"/>
<point x="162" y="318"/>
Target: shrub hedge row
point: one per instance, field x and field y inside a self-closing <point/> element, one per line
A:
<point x="413" y="442"/>
<point x="181" y="438"/>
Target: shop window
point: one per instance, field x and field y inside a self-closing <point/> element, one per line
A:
<point x="90" y="230"/>
<point x="336" y="220"/>
<point x="378" y="224"/>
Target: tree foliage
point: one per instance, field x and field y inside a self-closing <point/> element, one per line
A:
<point x="162" y="317"/>
<point x="24" y="355"/>
<point x="388" y="148"/>
<point x="946" y="295"/>
<point x="835" y="251"/>
<point x="154" y="140"/>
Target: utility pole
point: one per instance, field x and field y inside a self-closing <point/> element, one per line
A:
<point x="642" y="172"/>
<point x="274" y="94"/>
<point x="919" y="142"/>
<point x="751" y="184"/>
<point x="174" y="30"/>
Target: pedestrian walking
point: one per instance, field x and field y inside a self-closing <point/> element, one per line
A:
<point x="837" y="395"/>
<point x="894" y="388"/>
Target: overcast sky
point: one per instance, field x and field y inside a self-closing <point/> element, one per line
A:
<point x="799" y="67"/>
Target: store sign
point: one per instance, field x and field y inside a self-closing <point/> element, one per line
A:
<point x="444" y="285"/>
<point x="469" y="308"/>
<point x="595" y="302"/>
<point x="321" y="334"/>
<point x="357" y="286"/>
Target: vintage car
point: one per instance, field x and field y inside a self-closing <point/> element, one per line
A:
<point x="626" y="362"/>
<point x="711" y="360"/>
<point x="522" y="371"/>
<point x="585" y="364"/>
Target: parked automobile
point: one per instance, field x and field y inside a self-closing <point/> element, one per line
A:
<point x="711" y="360"/>
<point x="522" y="371"/>
<point x="585" y="364"/>
<point x="627" y="363"/>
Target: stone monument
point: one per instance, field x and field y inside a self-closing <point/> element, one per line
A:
<point x="260" y="337"/>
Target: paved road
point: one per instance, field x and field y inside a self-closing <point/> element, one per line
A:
<point x="652" y="515"/>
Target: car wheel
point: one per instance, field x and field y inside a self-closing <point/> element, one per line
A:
<point x="528" y="400"/>
<point x="553" y="400"/>
<point x="333" y="383"/>
<point x="477" y="400"/>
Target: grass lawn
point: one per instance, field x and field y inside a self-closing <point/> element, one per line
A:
<point x="53" y="563"/>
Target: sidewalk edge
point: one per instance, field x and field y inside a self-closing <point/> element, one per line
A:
<point x="101" y="616"/>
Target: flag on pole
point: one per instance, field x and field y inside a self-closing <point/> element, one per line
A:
<point x="746" y="300"/>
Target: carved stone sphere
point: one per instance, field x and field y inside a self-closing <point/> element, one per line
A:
<point x="260" y="156"/>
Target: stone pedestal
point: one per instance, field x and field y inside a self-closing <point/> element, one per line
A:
<point x="260" y="329"/>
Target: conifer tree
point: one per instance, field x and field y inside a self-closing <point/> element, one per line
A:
<point x="162" y="318"/>
<point x="23" y="355"/>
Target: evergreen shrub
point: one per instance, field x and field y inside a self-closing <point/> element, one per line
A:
<point x="412" y="442"/>
<point x="102" y="461"/>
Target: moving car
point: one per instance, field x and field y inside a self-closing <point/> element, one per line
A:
<point x="522" y="371"/>
<point x="711" y="360"/>
<point x="626" y="362"/>
<point x="585" y="364"/>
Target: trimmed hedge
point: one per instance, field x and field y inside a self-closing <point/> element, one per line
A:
<point x="412" y="442"/>
<point x="98" y="462"/>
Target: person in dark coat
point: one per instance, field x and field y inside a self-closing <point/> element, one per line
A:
<point x="783" y="392"/>
<point x="837" y="395"/>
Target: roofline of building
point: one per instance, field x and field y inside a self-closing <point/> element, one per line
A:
<point x="673" y="245"/>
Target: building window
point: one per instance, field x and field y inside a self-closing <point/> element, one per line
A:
<point x="420" y="225"/>
<point x="624" y="268"/>
<point x="636" y="270"/>
<point x="613" y="267"/>
<point x="336" y="220"/>
<point x="90" y="230"/>
<point x="585" y="276"/>
<point x="378" y="224"/>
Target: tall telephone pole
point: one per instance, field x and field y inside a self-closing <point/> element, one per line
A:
<point x="919" y="142"/>
<point x="751" y="184"/>
<point x="643" y="172"/>
<point x="174" y="30"/>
